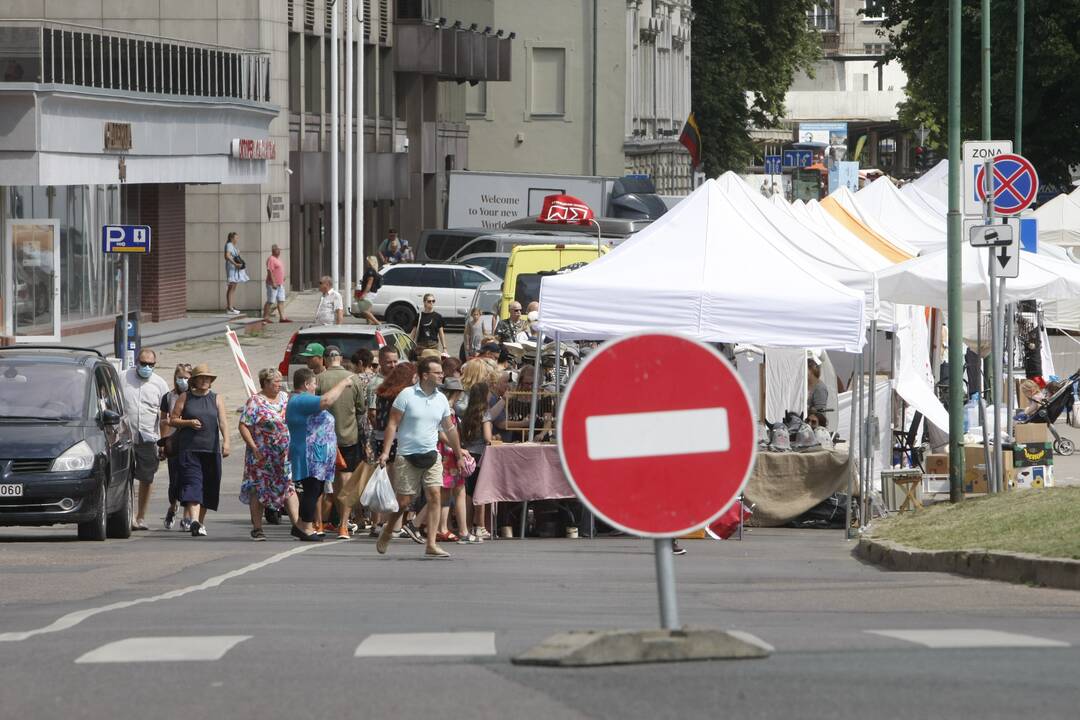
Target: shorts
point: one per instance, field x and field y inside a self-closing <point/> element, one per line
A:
<point x="412" y="480"/>
<point x="353" y="454"/>
<point x="145" y="458"/>
<point x="275" y="294"/>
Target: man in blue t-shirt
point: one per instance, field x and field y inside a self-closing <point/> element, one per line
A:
<point x="302" y="405"/>
<point x="418" y="413"/>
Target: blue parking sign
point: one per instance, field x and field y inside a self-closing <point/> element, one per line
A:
<point x="125" y="239"/>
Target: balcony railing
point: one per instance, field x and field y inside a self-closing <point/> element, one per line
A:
<point x="61" y="54"/>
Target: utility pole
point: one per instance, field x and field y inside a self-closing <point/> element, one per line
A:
<point x="954" y="269"/>
<point x="335" y="200"/>
<point x="360" y="47"/>
<point x="347" y="236"/>
<point x="1018" y="134"/>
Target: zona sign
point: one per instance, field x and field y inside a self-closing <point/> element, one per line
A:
<point x="1016" y="184"/>
<point x="656" y="434"/>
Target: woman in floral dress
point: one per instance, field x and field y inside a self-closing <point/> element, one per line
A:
<point x="322" y="456"/>
<point x="267" y="479"/>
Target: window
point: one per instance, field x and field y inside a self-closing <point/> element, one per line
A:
<point x="312" y="76"/>
<point x="873" y="11"/>
<point x="547" y="82"/>
<point x="480" y="245"/>
<point x="476" y="100"/>
<point x="437" y="277"/>
<point x="439" y="246"/>
<point x="469" y="280"/>
<point x="402" y="277"/>
<point x="875" y="48"/>
<point x="495" y="264"/>
<point x="296" y="41"/>
<point x="821" y="16"/>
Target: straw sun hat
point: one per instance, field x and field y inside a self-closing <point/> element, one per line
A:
<point x="202" y="370"/>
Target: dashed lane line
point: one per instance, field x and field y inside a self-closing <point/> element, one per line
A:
<point x="72" y="619"/>
<point x="163" y="649"/>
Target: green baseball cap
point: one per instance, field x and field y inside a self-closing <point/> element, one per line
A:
<point x="313" y="350"/>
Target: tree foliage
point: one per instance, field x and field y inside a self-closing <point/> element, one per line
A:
<point x="745" y="55"/>
<point x="918" y="31"/>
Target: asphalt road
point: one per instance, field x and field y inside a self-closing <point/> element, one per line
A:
<point x="170" y="626"/>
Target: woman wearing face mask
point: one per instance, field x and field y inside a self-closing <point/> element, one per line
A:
<point x="203" y="442"/>
<point x="181" y="376"/>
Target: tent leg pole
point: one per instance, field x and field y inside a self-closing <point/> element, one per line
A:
<point x="870" y="410"/>
<point x="1010" y="358"/>
<point x="535" y="387"/>
<point x="851" y="453"/>
<point x="860" y="432"/>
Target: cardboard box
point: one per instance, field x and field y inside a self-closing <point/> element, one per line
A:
<point x="937" y="464"/>
<point x="974" y="469"/>
<point x="1031" y="454"/>
<point x="1025" y="433"/>
<point x="1032" y="477"/>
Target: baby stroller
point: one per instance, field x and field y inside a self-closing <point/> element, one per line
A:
<point x="1059" y="397"/>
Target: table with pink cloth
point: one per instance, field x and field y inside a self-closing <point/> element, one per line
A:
<point x="520" y="472"/>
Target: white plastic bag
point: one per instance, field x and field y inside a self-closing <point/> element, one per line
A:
<point x="379" y="495"/>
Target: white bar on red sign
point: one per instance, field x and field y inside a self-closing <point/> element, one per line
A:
<point x="653" y="434"/>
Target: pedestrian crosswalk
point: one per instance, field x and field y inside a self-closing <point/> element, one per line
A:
<point x="969" y="638"/>
<point x="478" y="644"/>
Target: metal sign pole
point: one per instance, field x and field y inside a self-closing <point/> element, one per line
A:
<point x="1010" y="354"/>
<point x="127" y="331"/>
<point x="992" y="469"/>
<point x="665" y="584"/>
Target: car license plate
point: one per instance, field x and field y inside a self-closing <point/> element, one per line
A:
<point x="11" y="490"/>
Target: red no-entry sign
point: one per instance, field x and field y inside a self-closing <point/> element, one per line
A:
<point x="656" y="434"/>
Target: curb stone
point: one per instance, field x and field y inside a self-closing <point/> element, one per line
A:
<point x="1010" y="567"/>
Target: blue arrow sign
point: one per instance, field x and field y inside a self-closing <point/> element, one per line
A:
<point x="798" y="158"/>
<point x="773" y="165"/>
<point x="125" y="239"/>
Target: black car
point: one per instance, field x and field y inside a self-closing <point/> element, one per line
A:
<point x="65" y="445"/>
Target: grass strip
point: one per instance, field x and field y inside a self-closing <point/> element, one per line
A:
<point x="1042" y="522"/>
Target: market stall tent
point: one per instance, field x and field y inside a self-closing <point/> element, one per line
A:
<point x="704" y="270"/>
<point x="1059" y="221"/>
<point x="882" y="227"/>
<point x="850" y="221"/>
<point x="931" y="189"/>
<point x="905" y="219"/>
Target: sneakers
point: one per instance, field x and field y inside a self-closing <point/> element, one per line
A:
<point x="185" y="524"/>
<point x="170" y="519"/>
<point x="481" y="533"/>
<point x="232" y="311"/>
<point x="410" y="530"/>
<point x="197" y="529"/>
<point x="677" y="549"/>
<point x="258" y="535"/>
<point x="469" y="540"/>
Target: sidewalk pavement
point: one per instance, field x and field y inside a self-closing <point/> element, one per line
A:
<point x="300" y="308"/>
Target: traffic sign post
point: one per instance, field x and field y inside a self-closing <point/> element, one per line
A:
<point x="798" y="158"/>
<point x="773" y="165"/>
<point x="1004" y="260"/>
<point x="990" y="235"/>
<point x="126" y="239"/>
<point x="650" y="454"/>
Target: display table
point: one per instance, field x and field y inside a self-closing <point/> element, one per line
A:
<point x="520" y="472"/>
<point x="784" y="485"/>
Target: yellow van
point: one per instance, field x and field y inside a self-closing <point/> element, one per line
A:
<point x="528" y="264"/>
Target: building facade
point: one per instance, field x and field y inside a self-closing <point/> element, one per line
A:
<point x="852" y="87"/>
<point x="120" y="112"/>
<point x="603" y="88"/>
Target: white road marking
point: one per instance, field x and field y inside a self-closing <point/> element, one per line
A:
<point x="164" y="649"/>
<point x="968" y="638"/>
<point x="752" y="639"/>
<point x="651" y="434"/>
<point x="72" y="619"/>
<point x="427" y="644"/>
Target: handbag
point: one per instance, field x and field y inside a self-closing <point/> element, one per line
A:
<point x="239" y="262"/>
<point x="422" y="461"/>
<point x="168" y="446"/>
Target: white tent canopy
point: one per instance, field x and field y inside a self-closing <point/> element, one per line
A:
<point x="904" y="217"/>
<point x="924" y="280"/>
<point x="931" y="188"/>
<point x="1059" y="221"/>
<point x="705" y="270"/>
<point x="878" y="225"/>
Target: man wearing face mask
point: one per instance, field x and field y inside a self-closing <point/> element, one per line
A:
<point x="143" y="391"/>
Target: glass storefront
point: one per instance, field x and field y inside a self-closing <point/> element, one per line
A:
<point x="90" y="284"/>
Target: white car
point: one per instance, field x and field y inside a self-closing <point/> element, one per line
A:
<point x="401" y="296"/>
